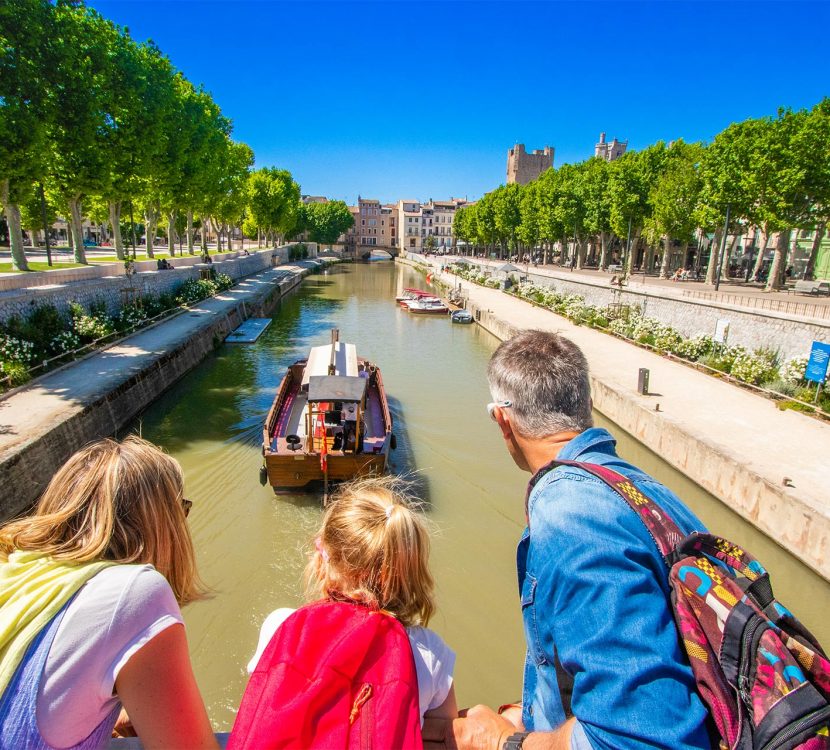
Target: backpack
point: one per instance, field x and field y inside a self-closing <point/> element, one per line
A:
<point x="335" y="675"/>
<point x="762" y="675"/>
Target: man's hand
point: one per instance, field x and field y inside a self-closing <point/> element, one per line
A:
<point x="477" y="728"/>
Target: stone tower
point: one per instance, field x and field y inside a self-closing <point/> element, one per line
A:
<point x="523" y="167"/>
<point x="609" y="151"/>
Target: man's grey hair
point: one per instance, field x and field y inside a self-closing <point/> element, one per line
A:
<point x="545" y="378"/>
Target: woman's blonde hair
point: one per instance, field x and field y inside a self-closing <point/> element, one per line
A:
<point x="114" y="501"/>
<point x="373" y="548"/>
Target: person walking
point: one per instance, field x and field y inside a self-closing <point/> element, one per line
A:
<point x="604" y="666"/>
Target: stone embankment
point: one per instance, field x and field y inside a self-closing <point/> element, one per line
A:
<point x="45" y="421"/>
<point x="110" y="285"/>
<point x="769" y="466"/>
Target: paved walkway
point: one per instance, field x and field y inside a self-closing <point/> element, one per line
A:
<point x="731" y="292"/>
<point x="747" y="430"/>
<point x="26" y="415"/>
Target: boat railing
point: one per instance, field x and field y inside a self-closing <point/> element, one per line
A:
<point x="271" y="419"/>
<point x="387" y="417"/>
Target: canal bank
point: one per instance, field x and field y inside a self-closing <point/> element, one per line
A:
<point x="767" y="465"/>
<point x="45" y="421"/>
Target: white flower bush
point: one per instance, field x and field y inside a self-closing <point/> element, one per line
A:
<point x="794" y="370"/>
<point x="66" y="341"/>
<point x="753" y="367"/>
<point x="16" y="350"/>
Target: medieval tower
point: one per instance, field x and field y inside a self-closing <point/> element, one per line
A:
<point x="523" y="167"/>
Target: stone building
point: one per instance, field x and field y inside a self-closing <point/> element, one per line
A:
<point x="523" y="167"/>
<point x="609" y="151"/>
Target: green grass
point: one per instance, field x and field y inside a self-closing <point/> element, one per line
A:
<point x="38" y="266"/>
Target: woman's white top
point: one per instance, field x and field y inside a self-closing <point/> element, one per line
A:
<point x="434" y="659"/>
<point x="112" y="616"/>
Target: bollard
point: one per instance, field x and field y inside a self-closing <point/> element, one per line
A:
<point x="642" y="381"/>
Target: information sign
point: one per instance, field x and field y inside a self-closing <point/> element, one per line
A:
<point x="817" y="364"/>
<point x="721" y="331"/>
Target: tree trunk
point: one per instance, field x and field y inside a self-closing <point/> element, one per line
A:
<point x="762" y="250"/>
<point x="171" y="233"/>
<point x="724" y="265"/>
<point x="115" y="224"/>
<point x="12" y="211"/>
<point x="818" y="236"/>
<point x="603" y="253"/>
<point x="190" y="249"/>
<point x="632" y="254"/>
<point x="581" y="250"/>
<point x="775" y="271"/>
<point x="714" y="256"/>
<point x="203" y="237"/>
<point x="76" y="225"/>
<point x="665" y="264"/>
<point x="150" y="224"/>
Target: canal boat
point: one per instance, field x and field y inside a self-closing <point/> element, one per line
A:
<point x="413" y="295"/>
<point x="433" y="306"/>
<point x="330" y="421"/>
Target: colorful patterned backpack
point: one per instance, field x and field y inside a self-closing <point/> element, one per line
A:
<point x="763" y="676"/>
<point x="335" y="676"/>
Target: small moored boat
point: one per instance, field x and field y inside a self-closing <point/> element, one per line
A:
<point x="462" y="316"/>
<point x="433" y="306"/>
<point x="329" y="421"/>
<point x="413" y="295"/>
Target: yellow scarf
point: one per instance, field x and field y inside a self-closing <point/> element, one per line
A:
<point x="33" y="589"/>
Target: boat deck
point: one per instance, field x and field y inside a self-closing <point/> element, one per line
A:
<point x="291" y="421"/>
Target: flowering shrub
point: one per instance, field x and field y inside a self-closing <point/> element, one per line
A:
<point x="224" y="282"/>
<point x="645" y="330"/>
<point x="130" y="316"/>
<point x="753" y="367"/>
<point x="695" y="348"/>
<point x="621" y="327"/>
<point x="16" y="350"/>
<point x="90" y="326"/>
<point x="194" y="290"/>
<point x="492" y="283"/>
<point x="66" y="341"/>
<point x="667" y="340"/>
<point x="794" y="370"/>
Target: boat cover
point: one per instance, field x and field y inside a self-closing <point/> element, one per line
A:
<point x="345" y="361"/>
<point x="334" y="388"/>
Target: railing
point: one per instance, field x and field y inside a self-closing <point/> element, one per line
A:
<point x="803" y="309"/>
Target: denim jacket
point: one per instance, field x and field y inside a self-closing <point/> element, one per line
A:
<point x="594" y="592"/>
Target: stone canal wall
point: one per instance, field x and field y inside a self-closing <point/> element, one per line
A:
<point x="44" y="422"/>
<point x="791" y="335"/>
<point x="715" y="433"/>
<point x="110" y="286"/>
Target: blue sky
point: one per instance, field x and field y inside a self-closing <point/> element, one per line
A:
<point x="422" y="100"/>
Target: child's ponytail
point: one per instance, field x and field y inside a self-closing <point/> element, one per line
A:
<point x="373" y="548"/>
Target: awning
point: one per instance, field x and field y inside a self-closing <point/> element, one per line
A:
<point x="336" y="388"/>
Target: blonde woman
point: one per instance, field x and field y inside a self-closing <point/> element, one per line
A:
<point x="373" y="549"/>
<point x="90" y="590"/>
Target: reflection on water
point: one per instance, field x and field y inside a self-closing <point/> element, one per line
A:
<point x="252" y="545"/>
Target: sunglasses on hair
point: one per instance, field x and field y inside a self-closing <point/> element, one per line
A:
<point x="186" y="506"/>
<point x="501" y="404"/>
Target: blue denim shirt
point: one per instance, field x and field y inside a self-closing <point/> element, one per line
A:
<point x="594" y="591"/>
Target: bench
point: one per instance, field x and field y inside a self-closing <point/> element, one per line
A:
<point x="802" y="286"/>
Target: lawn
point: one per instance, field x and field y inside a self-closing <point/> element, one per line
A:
<point x="38" y="266"/>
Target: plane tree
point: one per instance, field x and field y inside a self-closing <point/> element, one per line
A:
<point x="325" y="222"/>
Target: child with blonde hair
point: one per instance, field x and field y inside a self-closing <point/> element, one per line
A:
<point x="373" y="549"/>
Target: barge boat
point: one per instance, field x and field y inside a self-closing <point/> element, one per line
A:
<point x="330" y="421"/>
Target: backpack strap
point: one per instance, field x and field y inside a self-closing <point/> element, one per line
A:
<point x="659" y="524"/>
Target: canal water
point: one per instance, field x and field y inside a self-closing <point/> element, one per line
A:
<point x="252" y="545"/>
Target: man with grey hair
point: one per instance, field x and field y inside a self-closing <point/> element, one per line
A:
<point x="593" y="586"/>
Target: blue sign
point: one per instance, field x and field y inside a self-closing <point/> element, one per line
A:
<point x="817" y="365"/>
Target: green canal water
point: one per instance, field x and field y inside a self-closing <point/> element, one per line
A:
<point x="252" y="545"/>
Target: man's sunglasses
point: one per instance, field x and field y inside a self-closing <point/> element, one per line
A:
<point x="501" y="404"/>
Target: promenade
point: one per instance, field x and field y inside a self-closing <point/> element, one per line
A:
<point x="768" y="465"/>
<point x="43" y="422"/>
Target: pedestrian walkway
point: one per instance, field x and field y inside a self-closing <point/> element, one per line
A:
<point x="769" y="465"/>
<point x="32" y="413"/>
